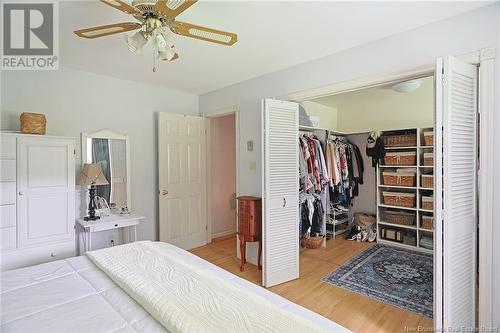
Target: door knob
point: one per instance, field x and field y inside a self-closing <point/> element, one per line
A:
<point x="164" y="192"/>
<point x="21" y="193"/>
<point x="284" y="202"/>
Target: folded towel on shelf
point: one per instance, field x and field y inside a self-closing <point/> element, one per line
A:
<point x="426" y="242"/>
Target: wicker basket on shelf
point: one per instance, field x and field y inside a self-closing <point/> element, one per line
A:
<point x="429" y="138"/>
<point x="428" y="159"/>
<point x="405" y="158"/>
<point x="428" y="222"/>
<point x="392" y="234"/>
<point x="427" y="202"/>
<point x="400" y="140"/>
<point x="399" y="178"/>
<point x="400" y="199"/>
<point x="33" y="123"/>
<point x="364" y="220"/>
<point x="397" y="217"/>
<point x="428" y="181"/>
<point x="313" y="242"/>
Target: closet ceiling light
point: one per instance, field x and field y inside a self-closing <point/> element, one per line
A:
<point x="406" y="86"/>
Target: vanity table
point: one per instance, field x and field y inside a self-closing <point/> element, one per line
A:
<point x="112" y="151"/>
<point x="126" y="223"/>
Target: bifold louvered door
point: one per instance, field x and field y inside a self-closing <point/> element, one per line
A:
<point x="455" y="194"/>
<point x="280" y="192"/>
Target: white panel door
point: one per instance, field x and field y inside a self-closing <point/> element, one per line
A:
<point x="45" y="190"/>
<point x="455" y="194"/>
<point x="182" y="180"/>
<point x="280" y="192"/>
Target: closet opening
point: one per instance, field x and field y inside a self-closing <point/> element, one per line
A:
<point x="409" y="249"/>
<point x="379" y="192"/>
<point x="371" y="194"/>
<point x="366" y="200"/>
<point x="222" y="175"/>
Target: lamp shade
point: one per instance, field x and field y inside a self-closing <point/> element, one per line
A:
<point x="92" y="175"/>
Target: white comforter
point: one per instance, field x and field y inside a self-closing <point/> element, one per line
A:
<point x="74" y="295"/>
<point x="187" y="298"/>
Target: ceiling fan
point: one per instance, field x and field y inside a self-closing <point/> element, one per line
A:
<point x="157" y="23"/>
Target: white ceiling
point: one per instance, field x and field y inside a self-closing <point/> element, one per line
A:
<point x="272" y="36"/>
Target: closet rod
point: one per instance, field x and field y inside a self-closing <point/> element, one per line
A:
<point x="330" y="131"/>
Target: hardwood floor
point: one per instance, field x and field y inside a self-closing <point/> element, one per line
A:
<point x="356" y="312"/>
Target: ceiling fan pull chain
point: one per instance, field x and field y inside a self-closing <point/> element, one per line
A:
<point x="154" y="62"/>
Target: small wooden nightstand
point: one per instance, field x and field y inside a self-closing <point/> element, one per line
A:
<point x="128" y="224"/>
<point x="249" y="226"/>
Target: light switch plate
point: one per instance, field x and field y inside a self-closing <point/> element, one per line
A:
<point x="252" y="166"/>
<point x="250" y="145"/>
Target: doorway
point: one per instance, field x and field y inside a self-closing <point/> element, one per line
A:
<point x="222" y="175"/>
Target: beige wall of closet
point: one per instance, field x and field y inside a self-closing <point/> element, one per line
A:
<point x="377" y="108"/>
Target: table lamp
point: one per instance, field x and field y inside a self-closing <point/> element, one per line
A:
<point x="92" y="176"/>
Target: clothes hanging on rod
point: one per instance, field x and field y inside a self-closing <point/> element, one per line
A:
<point x="314" y="181"/>
<point x="330" y="170"/>
<point x="345" y="164"/>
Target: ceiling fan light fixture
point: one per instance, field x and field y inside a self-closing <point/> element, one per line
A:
<point x="161" y="37"/>
<point x="136" y="42"/>
<point x="160" y="41"/>
<point x="157" y="23"/>
<point x="167" y="54"/>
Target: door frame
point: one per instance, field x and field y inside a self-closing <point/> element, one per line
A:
<point x="485" y="59"/>
<point x="209" y="116"/>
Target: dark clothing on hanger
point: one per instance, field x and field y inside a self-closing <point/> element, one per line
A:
<point x="377" y="153"/>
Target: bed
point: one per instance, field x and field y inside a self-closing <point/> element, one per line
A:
<point x="74" y="295"/>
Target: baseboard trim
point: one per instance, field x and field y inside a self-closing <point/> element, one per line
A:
<point x="223" y="233"/>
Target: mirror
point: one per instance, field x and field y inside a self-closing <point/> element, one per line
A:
<point x="111" y="149"/>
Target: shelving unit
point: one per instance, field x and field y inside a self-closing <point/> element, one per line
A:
<point x="416" y="228"/>
<point x="337" y="222"/>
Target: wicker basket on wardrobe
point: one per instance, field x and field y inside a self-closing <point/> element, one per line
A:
<point x="33" y="123"/>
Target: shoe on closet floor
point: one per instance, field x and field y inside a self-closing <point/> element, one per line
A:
<point x="372" y="235"/>
<point x="353" y="233"/>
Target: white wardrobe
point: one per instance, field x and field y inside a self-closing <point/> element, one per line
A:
<point x="37" y="200"/>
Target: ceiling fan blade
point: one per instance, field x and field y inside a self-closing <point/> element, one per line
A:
<point x="105" y="30"/>
<point x="204" y="33"/>
<point x="172" y="8"/>
<point x="120" y="5"/>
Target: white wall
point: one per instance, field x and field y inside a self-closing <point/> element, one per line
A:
<point x="327" y="115"/>
<point x="366" y="201"/>
<point x="223" y="175"/>
<point x="399" y="53"/>
<point x="75" y="101"/>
